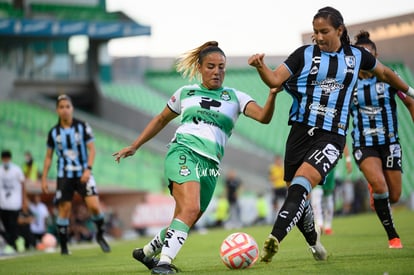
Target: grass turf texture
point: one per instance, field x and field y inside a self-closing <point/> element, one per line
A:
<point x="358" y="246"/>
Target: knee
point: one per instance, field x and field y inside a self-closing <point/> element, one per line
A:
<point x="394" y="197"/>
<point x="189" y="214"/>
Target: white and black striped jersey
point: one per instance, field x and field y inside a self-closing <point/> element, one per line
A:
<point x="374" y="113"/>
<point x="321" y="85"/>
<point x="70" y="146"/>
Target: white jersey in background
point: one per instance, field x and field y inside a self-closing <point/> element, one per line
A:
<point x="11" y="187"/>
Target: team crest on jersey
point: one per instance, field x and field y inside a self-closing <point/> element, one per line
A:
<point x="225" y="95"/>
<point x="380" y="88"/>
<point x="350" y="61"/>
<point x="358" y="154"/>
<point x="184" y="171"/>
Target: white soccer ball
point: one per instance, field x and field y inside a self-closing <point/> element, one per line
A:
<point x="48" y="243"/>
<point x="239" y="250"/>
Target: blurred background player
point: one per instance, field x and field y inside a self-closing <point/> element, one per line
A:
<point x="30" y="168"/>
<point x="208" y="115"/>
<point x="73" y="141"/>
<point x="12" y="197"/>
<point x="376" y="146"/>
<point x="233" y="184"/>
<point x="278" y="183"/>
<point x="40" y="212"/>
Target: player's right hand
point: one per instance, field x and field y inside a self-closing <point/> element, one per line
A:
<point x="123" y="153"/>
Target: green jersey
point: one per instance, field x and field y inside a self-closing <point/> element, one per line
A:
<point x="207" y="117"/>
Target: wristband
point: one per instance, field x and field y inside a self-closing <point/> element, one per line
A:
<point x="348" y="159"/>
<point x="410" y="92"/>
<point x="89" y="167"/>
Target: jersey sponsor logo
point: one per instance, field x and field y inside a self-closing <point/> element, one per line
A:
<point x="320" y="109"/>
<point x="331" y="153"/>
<point x="328" y="85"/>
<point x="197" y="120"/>
<point x="341" y="126"/>
<point x="184" y="171"/>
<point x="316" y="59"/>
<point x="71" y="167"/>
<point x="370" y="111"/>
<point x="71" y="154"/>
<point x="206" y="172"/>
<point x="314" y="70"/>
<point x="374" y="131"/>
<point x="207" y="103"/>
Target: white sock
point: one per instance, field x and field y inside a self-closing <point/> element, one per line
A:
<point x="174" y="239"/>
<point x="155" y="245"/>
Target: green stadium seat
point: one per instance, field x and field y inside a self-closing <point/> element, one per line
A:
<point x="25" y="127"/>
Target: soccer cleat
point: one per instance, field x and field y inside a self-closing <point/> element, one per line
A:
<point x="395" y="243"/>
<point x="103" y="244"/>
<point x="318" y="251"/>
<point x="270" y="248"/>
<point x="138" y="254"/>
<point x="65" y="251"/>
<point x="165" y="269"/>
<point x="328" y="231"/>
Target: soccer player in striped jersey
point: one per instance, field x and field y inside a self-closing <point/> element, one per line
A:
<point x="73" y="141"/>
<point x="377" y="150"/>
<point x="320" y="78"/>
<point x="208" y="115"/>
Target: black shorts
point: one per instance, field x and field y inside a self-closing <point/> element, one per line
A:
<point x="390" y="155"/>
<point x="319" y="148"/>
<point x="67" y="187"/>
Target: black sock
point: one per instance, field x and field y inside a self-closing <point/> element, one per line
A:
<point x="291" y="211"/>
<point x="63" y="236"/>
<point x="306" y="225"/>
<point x="383" y="209"/>
<point x="100" y="226"/>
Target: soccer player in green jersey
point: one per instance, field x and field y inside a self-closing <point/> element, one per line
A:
<point x="208" y="114"/>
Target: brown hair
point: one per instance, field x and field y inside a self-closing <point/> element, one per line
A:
<point x="188" y="61"/>
<point x="63" y="97"/>
<point x="362" y="38"/>
<point x="336" y="20"/>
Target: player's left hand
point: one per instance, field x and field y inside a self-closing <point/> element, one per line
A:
<point x="85" y="176"/>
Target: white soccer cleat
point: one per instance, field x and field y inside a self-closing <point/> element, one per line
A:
<point x="318" y="251"/>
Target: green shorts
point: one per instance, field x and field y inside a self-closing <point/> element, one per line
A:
<point x="329" y="184"/>
<point x="183" y="165"/>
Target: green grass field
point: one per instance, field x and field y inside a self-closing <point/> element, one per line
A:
<point x="358" y="246"/>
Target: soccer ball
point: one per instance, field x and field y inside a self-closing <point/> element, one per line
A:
<point x="48" y="243"/>
<point x="239" y="250"/>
